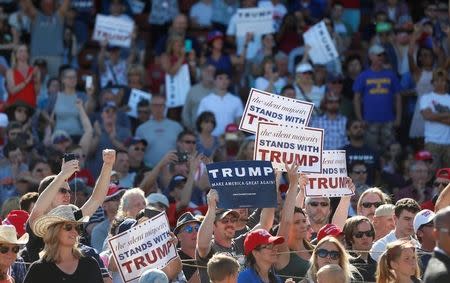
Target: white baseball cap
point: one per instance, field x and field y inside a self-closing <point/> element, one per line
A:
<point x="157" y="197"/>
<point x="3" y="120"/>
<point x="376" y="49"/>
<point x="303" y="68"/>
<point x="423" y="217"/>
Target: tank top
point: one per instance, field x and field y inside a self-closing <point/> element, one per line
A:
<point x="28" y="93"/>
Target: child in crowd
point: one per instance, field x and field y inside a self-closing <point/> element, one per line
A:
<point x="223" y="269"/>
<point x="331" y="273"/>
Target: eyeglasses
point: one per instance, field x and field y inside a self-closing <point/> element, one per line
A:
<point x="323" y="253"/>
<point x="5" y="250"/>
<point x="64" y="191"/>
<point x="269" y="247"/>
<point x="359" y="172"/>
<point x="322" y="203"/>
<point x="360" y="234"/>
<point x="437" y="184"/>
<point x="115" y="198"/>
<point x="190" y="229"/>
<point x="21" y="110"/>
<point x="228" y="220"/>
<point x="69" y="226"/>
<point x="189" y="142"/>
<point x="370" y="204"/>
<point x="139" y="149"/>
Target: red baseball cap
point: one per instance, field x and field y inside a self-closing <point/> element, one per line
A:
<point x="329" y="230"/>
<point x="443" y="173"/>
<point x="17" y="218"/>
<point x="260" y="237"/>
<point x="113" y="190"/>
<point x="423" y="155"/>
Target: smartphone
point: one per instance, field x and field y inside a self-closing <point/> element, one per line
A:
<point x="182" y="157"/>
<point x="88" y="81"/>
<point x="188" y="45"/>
<point x="70" y="156"/>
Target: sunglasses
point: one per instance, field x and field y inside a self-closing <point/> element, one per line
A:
<point x="370" y="204"/>
<point x="323" y="253"/>
<point x="64" y="191"/>
<point x="269" y="247"/>
<point x="190" y="229"/>
<point x="359" y="172"/>
<point x="228" y="220"/>
<point x="360" y="234"/>
<point x="437" y="184"/>
<point x="5" y="250"/>
<point x="69" y="226"/>
<point x="322" y="203"/>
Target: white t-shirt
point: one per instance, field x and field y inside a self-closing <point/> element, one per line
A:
<point x="262" y="83"/>
<point x="436" y="132"/>
<point x="315" y="96"/>
<point x="202" y="13"/>
<point x="279" y="10"/>
<point x="226" y="109"/>
<point x="380" y="246"/>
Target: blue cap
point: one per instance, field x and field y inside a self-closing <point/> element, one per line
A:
<point x="153" y="276"/>
<point x="109" y="105"/>
<point x="126" y="225"/>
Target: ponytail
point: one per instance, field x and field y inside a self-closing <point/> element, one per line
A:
<point x="384" y="272"/>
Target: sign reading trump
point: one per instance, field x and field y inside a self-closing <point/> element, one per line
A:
<point x="243" y="183"/>
<point x="281" y="144"/>
<point x="332" y="182"/>
<point x="264" y="106"/>
<point x="142" y="247"/>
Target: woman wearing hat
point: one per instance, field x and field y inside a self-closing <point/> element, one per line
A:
<point x="22" y="80"/>
<point x="9" y="247"/>
<point x="62" y="261"/>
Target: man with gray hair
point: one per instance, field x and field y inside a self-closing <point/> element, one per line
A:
<point x="438" y="269"/>
<point x="383" y="220"/>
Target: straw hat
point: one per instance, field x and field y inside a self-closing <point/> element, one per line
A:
<point x="8" y="235"/>
<point x="61" y="213"/>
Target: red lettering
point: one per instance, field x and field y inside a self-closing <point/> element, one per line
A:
<point x="322" y="183"/>
<point x="263" y="153"/>
<point x="127" y="265"/>
<point x="151" y="260"/>
<point x="162" y="252"/>
<point x="251" y="117"/>
<point x="313" y="159"/>
<point x="275" y="156"/>
<point x="139" y="261"/>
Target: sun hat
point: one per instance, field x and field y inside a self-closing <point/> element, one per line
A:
<point x="61" y="213"/>
<point x="260" y="237"/>
<point x="8" y="235"/>
<point x="185" y="218"/>
<point x="423" y="217"/>
<point x="155" y="198"/>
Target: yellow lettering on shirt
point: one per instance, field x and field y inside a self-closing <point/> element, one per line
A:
<point x="378" y="86"/>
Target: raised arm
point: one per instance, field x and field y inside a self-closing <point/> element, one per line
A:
<point x="341" y="213"/>
<point x="205" y="232"/>
<point x="64" y="8"/>
<point x="45" y="199"/>
<point x="357" y="105"/>
<point x="186" y="192"/>
<point x="29" y="9"/>
<point x="443" y="199"/>
<point x="88" y="131"/>
<point x="101" y="186"/>
<point x="151" y="177"/>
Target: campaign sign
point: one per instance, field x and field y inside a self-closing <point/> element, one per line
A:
<point x="332" y="182"/>
<point x="282" y="144"/>
<point x="177" y="87"/>
<point x="258" y="21"/>
<point x="136" y="96"/>
<point x="323" y="49"/>
<point x="243" y="183"/>
<point x="265" y="106"/>
<point x="115" y="30"/>
<point x="143" y="247"/>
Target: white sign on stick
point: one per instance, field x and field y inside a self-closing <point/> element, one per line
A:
<point x="115" y="30"/>
<point x="258" y="21"/>
<point x="332" y="182"/>
<point x="282" y="144"/>
<point x="264" y="106"/>
<point x="143" y="247"/>
<point x="323" y="49"/>
<point x="136" y="96"/>
<point x="177" y="87"/>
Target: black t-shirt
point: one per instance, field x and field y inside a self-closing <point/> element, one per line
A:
<point x="365" y="154"/>
<point x="35" y="244"/>
<point x="42" y="271"/>
<point x="187" y="270"/>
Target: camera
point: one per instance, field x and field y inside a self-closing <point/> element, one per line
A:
<point x="182" y="157"/>
<point x="70" y="156"/>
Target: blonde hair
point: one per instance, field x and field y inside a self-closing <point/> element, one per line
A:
<point x="374" y="190"/>
<point x="385" y="272"/>
<point x="220" y="266"/>
<point x="333" y="273"/>
<point x="344" y="260"/>
<point x="124" y="200"/>
<point x="14" y="55"/>
<point x="171" y="41"/>
<point x="51" y="241"/>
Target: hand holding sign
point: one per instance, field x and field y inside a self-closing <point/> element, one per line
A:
<point x="292" y="172"/>
<point x="212" y="198"/>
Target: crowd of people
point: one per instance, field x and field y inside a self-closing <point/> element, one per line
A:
<point x="76" y="168"/>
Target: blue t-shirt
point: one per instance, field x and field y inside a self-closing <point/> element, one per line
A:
<point x="378" y="90"/>
<point x="249" y="275"/>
